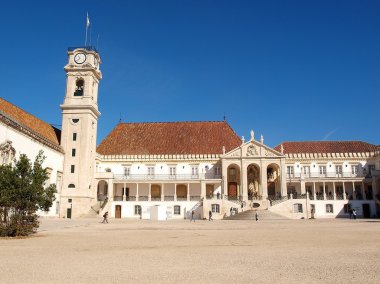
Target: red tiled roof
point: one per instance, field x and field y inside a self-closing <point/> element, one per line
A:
<point x="161" y="138"/>
<point x="326" y="147"/>
<point x="29" y="121"/>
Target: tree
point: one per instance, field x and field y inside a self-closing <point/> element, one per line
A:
<point x="22" y="193"/>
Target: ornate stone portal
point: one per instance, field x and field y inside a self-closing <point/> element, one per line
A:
<point x="253" y="178"/>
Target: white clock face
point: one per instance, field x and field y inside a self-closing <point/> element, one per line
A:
<point x="80" y="58"/>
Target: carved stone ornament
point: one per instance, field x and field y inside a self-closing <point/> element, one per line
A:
<point x="235" y="154"/>
<point x="7" y="152"/>
<point x="252" y="151"/>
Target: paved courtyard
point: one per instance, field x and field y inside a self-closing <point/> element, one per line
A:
<point x="139" y="251"/>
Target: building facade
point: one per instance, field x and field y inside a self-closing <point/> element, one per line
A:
<point x="184" y="167"/>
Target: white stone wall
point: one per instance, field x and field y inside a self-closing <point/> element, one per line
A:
<point x="24" y="144"/>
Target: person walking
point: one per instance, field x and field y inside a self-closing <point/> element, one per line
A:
<point x="105" y="218"/>
<point x="242" y="206"/>
<point x="210" y="216"/>
<point x="192" y="216"/>
<point x="257" y="216"/>
<point x="354" y="213"/>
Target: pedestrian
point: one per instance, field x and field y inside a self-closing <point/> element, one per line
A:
<point x="242" y="205"/>
<point x="105" y="218"/>
<point x="354" y="213"/>
<point x="192" y="216"/>
<point x="257" y="216"/>
<point x="231" y="211"/>
<point x="350" y="213"/>
<point x="210" y="216"/>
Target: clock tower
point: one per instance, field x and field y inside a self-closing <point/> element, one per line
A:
<point x="79" y="129"/>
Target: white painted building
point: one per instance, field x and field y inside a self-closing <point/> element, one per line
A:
<point x="173" y="168"/>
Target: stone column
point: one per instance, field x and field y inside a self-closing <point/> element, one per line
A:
<point x="137" y="192"/>
<point x="188" y="192"/>
<point x="150" y="192"/>
<point x="243" y="181"/>
<point x="110" y="191"/>
<point x="334" y="190"/>
<point x="125" y="191"/>
<point x="203" y="190"/>
<point x="374" y="189"/>
<point x="324" y="191"/>
<point x="353" y="191"/>
<point x="362" y="190"/>
<point x="314" y="193"/>
<point x="284" y="190"/>
<point x="303" y="188"/>
<point x="175" y="192"/>
<point x="264" y="183"/>
<point x="162" y="192"/>
<point x="344" y="192"/>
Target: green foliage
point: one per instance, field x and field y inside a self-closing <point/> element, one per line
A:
<point x="22" y="193"/>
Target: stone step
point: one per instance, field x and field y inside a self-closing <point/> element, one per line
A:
<point x="251" y="215"/>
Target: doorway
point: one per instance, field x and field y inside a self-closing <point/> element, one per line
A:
<point x="232" y="190"/>
<point x="366" y="211"/>
<point x="118" y="211"/>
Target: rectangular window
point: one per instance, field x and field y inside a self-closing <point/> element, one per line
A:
<point x="306" y="170"/>
<point x="215" y="208"/>
<point x="73" y="152"/>
<point x="177" y="210"/>
<point x="322" y="170"/>
<point x="297" y="208"/>
<point x="74" y="136"/>
<point x="150" y="171"/>
<point x="137" y="210"/>
<point x="329" y="208"/>
<point x="72" y="169"/>
<point x="290" y="171"/>
<point x="172" y="171"/>
<point x="217" y="171"/>
<point x="194" y="171"/>
<point x="127" y="171"/>
<point x="338" y="170"/>
<point x="354" y="169"/>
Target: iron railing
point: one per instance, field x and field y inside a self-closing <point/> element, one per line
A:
<point x="166" y="177"/>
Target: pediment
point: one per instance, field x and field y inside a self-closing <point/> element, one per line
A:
<point x="253" y="149"/>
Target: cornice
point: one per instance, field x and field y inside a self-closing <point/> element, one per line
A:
<point x="190" y="158"/>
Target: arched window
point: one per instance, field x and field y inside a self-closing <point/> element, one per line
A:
<point x="71" y="185"/>
<point x="79" y="87"/>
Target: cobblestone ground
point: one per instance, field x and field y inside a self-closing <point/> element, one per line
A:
<point x="139" y="251"/>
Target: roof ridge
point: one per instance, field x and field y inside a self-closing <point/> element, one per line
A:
<point x="184" y="121"/>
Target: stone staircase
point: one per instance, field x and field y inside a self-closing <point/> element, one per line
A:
<point x="251" y="215"/>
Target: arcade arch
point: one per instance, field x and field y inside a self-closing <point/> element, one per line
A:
<point x="233" y="181"/>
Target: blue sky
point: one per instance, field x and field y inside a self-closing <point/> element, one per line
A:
<point x="291" y="70"/>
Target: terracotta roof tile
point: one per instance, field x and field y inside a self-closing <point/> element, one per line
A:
<point x="326" y="147"/>
<point x="161" y="138"/>
<point x="30" y="121"/>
